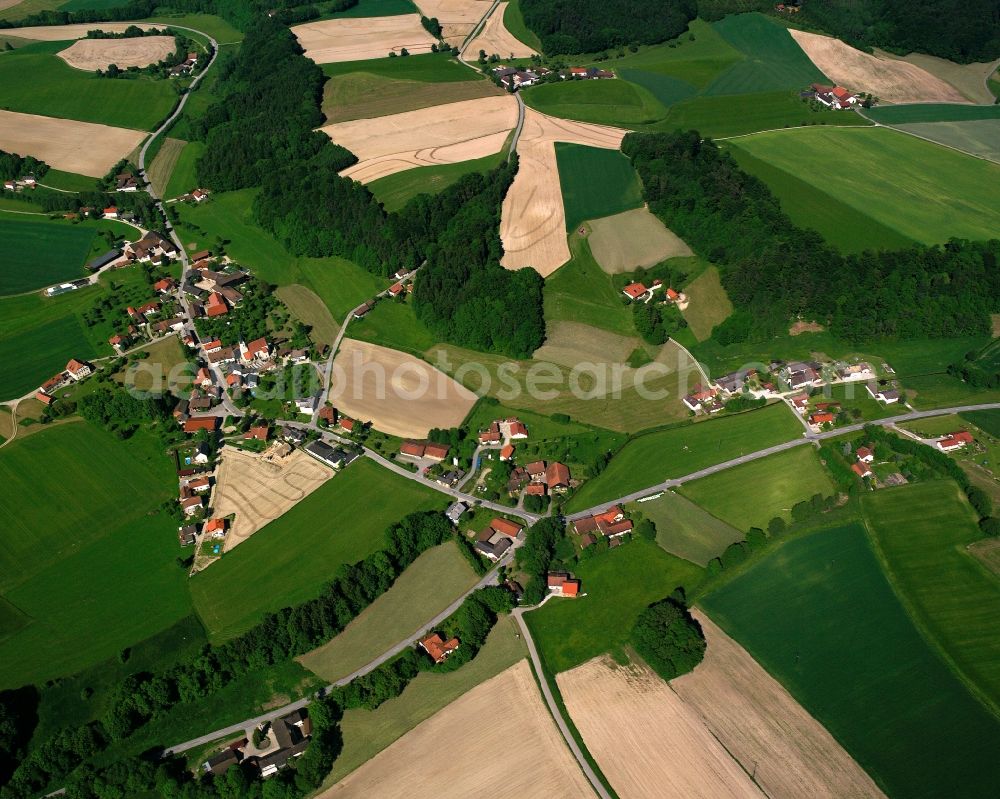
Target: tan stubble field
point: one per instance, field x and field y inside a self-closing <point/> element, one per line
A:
<point x="64" y="33"/>
<point x="258" y="490"/>
<point x="891" y="81"/>
<point x="498" y="740"/>
<point x="495" y="38"/>
<point x="705" y="733"/>
<point x="457" y="17"/>
<point x="94" y="54"/>
<point x="82" y="147"/>
<point x="398" y="393"/>
<point x="533" y="219"/>
<point x="442" y="134"/>
<point x="333" y="40"/>
<point x="624" y="241"/>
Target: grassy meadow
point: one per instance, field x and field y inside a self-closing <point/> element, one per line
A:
<point x="431" y="583"/>
<point x="83" y="546"/>
<point x="183" y="177"/>
<point x="513" y="21"/>
<point x="290" y="559"/>
<point x="339" y="283"/>
<point x="393" y="324"/>
<point x="619" y="585"/>
<point x="922" y="532"/>
<point x="922" y="191"/>
<point x="37" y="254"/>
<point x="34" y="80"/>
<point x="980" y="137"/>
<point x="708" y="303"/>
<point x="931" y="112"/>
<point x="595" y="182"/>
<point x="820" y="616"/>
<point x="660" y="455"/>
<point x="845" y="227"/>
<point x="686" y="530"/>
<point x="778" y="481"/>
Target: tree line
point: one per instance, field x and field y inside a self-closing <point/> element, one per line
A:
<point x="774" y="270"/>
<point x="588" y="26"/>
<point x="13" y="166"/>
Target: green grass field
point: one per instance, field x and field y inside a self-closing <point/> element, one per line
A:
<point x="311" y="310"/>
<point x="772" y="59"/>
<point x="921" y="532"/>
<point x="81" y="550"/>
<point x="685" y="530"/>
<point x="921" y="190"/>
<point x="395" y="191"/>
<point x="580" y="291"/>
<point x="164" y="163"/>
<point x="779" y="481"/>
<point x="393" y="324"/>
<point x="68" y="181"/>
<point x="931" y="112"/>
<point x="183" y="177"/>
<point x="368" y="732"/>
<point x="341" y="284"/>
<point x="654" y="457"/>
<point x="606" y="102"/>
<point x="394" y="85"/>
<point x="513" y="21"/>
<point x="845" y="227"/>
<point x="540" y="428"/>
<point x="989" y="421"/>
<point x="595" y="182"/>
<point x="38" y="253"/>
<point x="214" y="26"/>
<point x="289" y="560"/>
<point x="34" y="80"/>
<point x="976" y="136"/>
<point x="708" y="303"/>
<point x="820" y="616"/>
<point x="377" y="8"/>
<point x="428" y="586"/>
<point x="619" y="585"/>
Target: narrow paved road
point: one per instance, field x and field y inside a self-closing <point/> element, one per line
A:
<point x="808" y="438"/>
<point x="588" y="772"/>
<point x="241" y="727"/>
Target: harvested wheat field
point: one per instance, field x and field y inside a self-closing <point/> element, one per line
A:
<point x="64" y="33"/>
<point x="496" y="740"/>
<point x="889" y="80"/>
<point x="94" y="54"/>
<point x="333" y="40"/>
<point x="969" y="79"/>
<point x="495" y="38"/>
<point x="533" y="220"/>
<point x="571" y="343"/>
<point x="443" y="134"/>
<point x="258" y="488"/>
<point x="82" y="147"/>
<point x="764" y="728"/>
<point x="398" y="393"/>
<point x="647" y="742"/>
<point x="458" y="18"/>
<point x="623" y="242"/>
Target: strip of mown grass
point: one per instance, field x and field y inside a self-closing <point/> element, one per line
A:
<point x="654" y="457"/>
<point x="606" y="102"/>
<point x="685" y="530"/>
<point x="184" y="177"/>
<point x="619" y="585"/>
<point x="290" y="559"/>
<point x="849" y="229"/>
<point x="341" y="284"/>
<point x="428" y="586"/>
<point x="34" y="80"/>
<point x="931" y="112"/>
<point x="778" y="481"/>
<point x="83" y="547"/>
<point x="820" y="616"/>
<point x="922" y="532"/>
<point x="513" y="21"/>
<point x="595" y="182"/>
<point x="708" y="303"/>
<point x="925" y="192"/>
<point x="395" y="191"/>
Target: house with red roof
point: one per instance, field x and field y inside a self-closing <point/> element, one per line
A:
<point x="635" y="291"/>
<point x="165" y="286"/>
<point x="216" y="305"/>
<point x="506" y="452"/>
<point x="506" y="527"/>
<point x="436" y="452"/>
<point x="328" y="414"/>
<point x="346" y="423"/>
<point x="258" y="349"/>
<point x="216" y="528"/>
<point x="865" y="455"/>
<point x="44" y="398"/>
<point x="818" y="419"/>
<point x="213" y="346"/>
<point x="412" y="449"/>
<point x="557" y="476"/>
<point x="77" y="370"/>
<point x="396" y="289"/>
<point x="861" y="469"/>
<point x="111" y="212"/>
<point x="517" y="430"/>
<point x="953" y="441"/>
<point x="439" y="649"/>
<point x="196" y="424"/>
<point x="257" y="433"/>
<point x="191" y="505"/>
<point x="561" y="584"/>
<point x="203" y="378"/>
<point x="536" y="490"/>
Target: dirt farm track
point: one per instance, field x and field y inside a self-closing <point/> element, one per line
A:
<point x="259" y="489"/>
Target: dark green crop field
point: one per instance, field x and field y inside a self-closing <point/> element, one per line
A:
<point x="38" y="254"/>
<point x="595" y="183"/>
<point x="820" y="616"/>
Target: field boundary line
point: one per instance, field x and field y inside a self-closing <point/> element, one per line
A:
<point x="931" y="141"/>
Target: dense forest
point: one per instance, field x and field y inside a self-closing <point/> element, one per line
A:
<point x="263" y="133"/>
<point x="958" y="30"/>
<point x="13" y="166"/>
<point x="588" y="26"/>
<point x="775" y="271"/>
